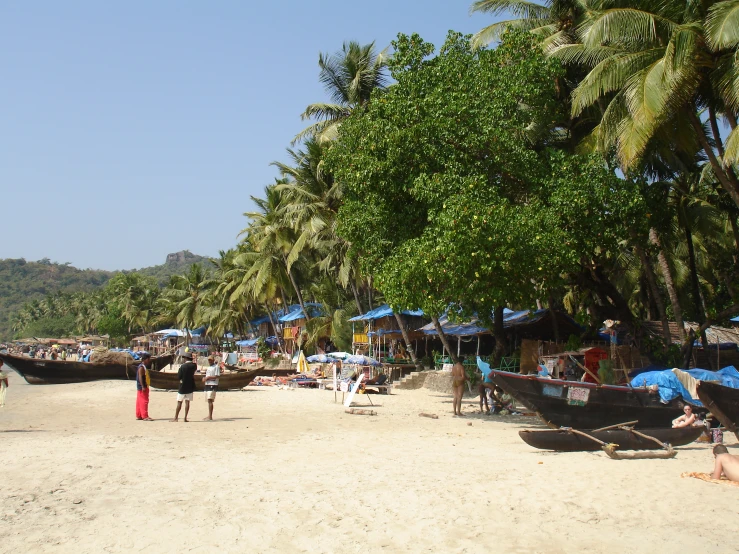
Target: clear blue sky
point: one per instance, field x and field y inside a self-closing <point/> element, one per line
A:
<point x="134" y="129"/>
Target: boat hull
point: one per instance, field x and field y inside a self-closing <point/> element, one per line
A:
<point x="563" y="440"/>
<point x="586" y="405"/>
<point x="57" y="372"/>
<point x="228" y="381"/>
<point x="722" y="402"/>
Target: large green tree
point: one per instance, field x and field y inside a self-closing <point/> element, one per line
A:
<point x="447" y="197"/>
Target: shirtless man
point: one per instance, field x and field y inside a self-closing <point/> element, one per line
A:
<point x="684" y="420"/>
<point x="726" y="463"/>
<point x="458" y="380"/>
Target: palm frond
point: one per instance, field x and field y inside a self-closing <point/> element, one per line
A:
<point x="722" y="25"/>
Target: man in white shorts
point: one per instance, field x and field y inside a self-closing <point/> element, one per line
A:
<point x="210" y="381"/>
<point x="186" y="374"/>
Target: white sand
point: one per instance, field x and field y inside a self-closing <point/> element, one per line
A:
<point x="288" y="471"/>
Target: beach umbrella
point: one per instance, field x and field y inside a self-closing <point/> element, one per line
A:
<point x="340" y="355"/>
<point x="302" y="363"/>
<point x="321" y="359"/>
<point x="362" y="360"/>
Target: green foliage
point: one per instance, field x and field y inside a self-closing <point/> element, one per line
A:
<point x="450" y="194"/>
<point x="60" y="326"/>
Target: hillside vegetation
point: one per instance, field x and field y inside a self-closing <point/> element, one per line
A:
<point x="22" y="282"/>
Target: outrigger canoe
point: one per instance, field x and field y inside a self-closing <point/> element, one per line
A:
<point x="722" y="402"/>
<point x="227" y="381"/>
<point x="38" y="371"/>
<point x="565" y="440"/>
<point x="589" y="406"/>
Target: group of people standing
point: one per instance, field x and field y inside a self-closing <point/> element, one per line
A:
<point x="185" y="393"/>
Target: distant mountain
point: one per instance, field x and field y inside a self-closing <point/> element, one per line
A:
<point x="175" y="264"/>
<point x="22" y="281"/>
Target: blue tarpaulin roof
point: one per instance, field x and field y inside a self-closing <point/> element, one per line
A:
<point x="735" y="319"/>
<point x="250" y="342"/>
<point x="383" y="311"/>
<point x="313" y="307"/>
<point x="472" y="327"/>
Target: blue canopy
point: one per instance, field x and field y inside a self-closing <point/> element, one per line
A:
<point x="313" y="307"/>
<point x="250" y="342"/>
<point x="735" y="319"/>
<point x="469" y="328"/>
<point x="383" y="311"/>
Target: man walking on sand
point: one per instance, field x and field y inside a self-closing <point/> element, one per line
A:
<point x="142" y="388"/>
<point x="186" y="375"/>
<point x="458" y="380"/>
<point x="210" y="381"/>
<point x="725" y="463"/>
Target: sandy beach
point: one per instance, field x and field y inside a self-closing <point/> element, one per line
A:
<point x="289" y="471"/>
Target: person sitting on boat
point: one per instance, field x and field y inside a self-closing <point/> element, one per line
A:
<point x="685" y="420"/>
<point x="726" y="464"/>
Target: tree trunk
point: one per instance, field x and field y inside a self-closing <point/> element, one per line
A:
<point x="669" y="283"/>
<point x="443" y="339"/>
<point x="355" y="292"/>
<point x="715" y="132"/>
<point x="274" y="327"/>
<point x="369" y="293"/>
<point x="697" y="301"/>
<point x="729" y="184"/>
<point x="652" y="280"/>
<point x="406" y="338"/>
<point x="501" y="342"/>
<point x="555" y="323"/>
<point x="297" y="292"/>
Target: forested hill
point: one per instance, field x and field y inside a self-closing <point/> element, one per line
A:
<point x="22" y="281"/>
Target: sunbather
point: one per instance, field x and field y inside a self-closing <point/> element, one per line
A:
<point x="726" y="464"/>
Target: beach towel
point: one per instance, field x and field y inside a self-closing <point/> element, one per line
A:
<point x="708" y="477"/>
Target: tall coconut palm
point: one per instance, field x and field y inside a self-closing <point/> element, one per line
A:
<point x="271" y="237"/>
<point x="349" y="77"/>
<point x="654" y="71"/>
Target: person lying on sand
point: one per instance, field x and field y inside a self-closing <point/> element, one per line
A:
<point x="685" y="420"/>
<point x="725" y="463"/>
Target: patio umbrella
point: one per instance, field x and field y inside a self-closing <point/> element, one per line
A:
<point x="362" y="360"/>
<point x="339" y="355"/>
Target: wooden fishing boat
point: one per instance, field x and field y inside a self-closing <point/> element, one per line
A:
<point x="722" y="402"/>
<point x="227" y="381"/>
<point x="56" y="372"/>
<point x="586" y="405"/>
<point x="564" y="440"/>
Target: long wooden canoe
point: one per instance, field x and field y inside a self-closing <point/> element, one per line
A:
<point x="56" y="372"/>
<point x="589" y="406"/>
<point x="563" y="440"/>
<point x="227" y="381"/>
<point x="722" y="402"/>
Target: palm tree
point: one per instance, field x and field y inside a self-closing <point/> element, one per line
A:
<point x="271" y="238"/>
<point x="552" y="20"/>
<point x="654" y="72"/>
<point x="349" y="77"/>
<point x="183" y="298"/>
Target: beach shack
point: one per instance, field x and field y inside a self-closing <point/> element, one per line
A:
<point x="294" y="321"/>
<point x="378" y="334"/>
